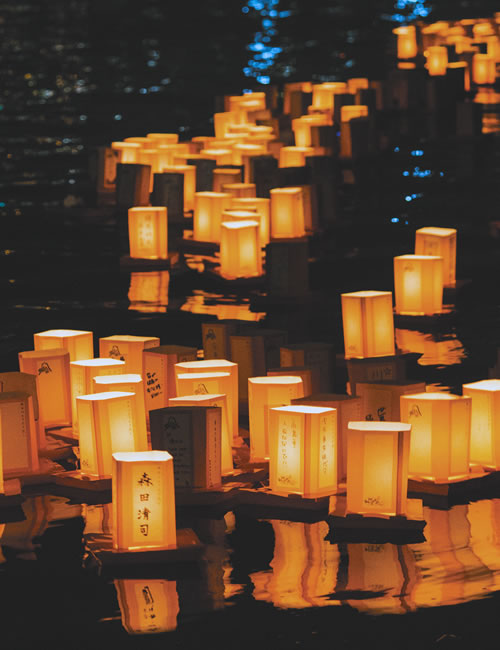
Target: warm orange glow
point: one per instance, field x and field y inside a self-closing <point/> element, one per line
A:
<point x="143" y="501"/>
<point x="189" y="173"/>
<point x="127" y="348"/>
<point x="368" y="324"/>
<point x="1" y="467"/>
<point x="265" y="393"/>
<point x="437" y="60"/>
<point x="377" y="468"/>
<point x="407" y="41"/>
<point x="225" y="176"/>
<point x="294" y="156"/>
<point x="447" y="352"/>
<point x="78" y="342"/>
<point x="483" y="69"/>
<point x="418" y="284"/>
<point x="23" y="382"/>
<point x="310" y="354"/>
<point x="147" y="233"/>
<point x="262" y="206"/>
<point x="485" y="421"/>
<point x="287" y="213"/>
<point x="380" y="401"/>
<point x="147" y="606"/>
<point x="303" y="450"/>
<point x="255" y="101"/>
<point x="301" y="127"/>
<point x="148" y="291"/>
<point x="243" y="152"/>
<point x="208" y="208"/>
<point x="223" y="122"/>
<point x="19" y="445"/>
<point x="128" y="152"/>
<point x="164" y="138"/>
<point x="443" y="243"/>
<point x="222" y="156"/>
<point x="240" y="253"/>
<point x="359" y="83"/>
<point x="323" y="94"/>
<point x="159" y="373"/>
<point x="239" y="190"/>
<point x="309" y="376"/>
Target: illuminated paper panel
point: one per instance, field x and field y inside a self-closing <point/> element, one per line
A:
<point x="483" y="69"/>
<point x="249" y="353"/>
<point x="485" y="422"/>
<point x="263" y="207"/>
<point x="287" y="213"/>
<point x="418" y="284"/>
<point x="380" y="401"/>
<point x="225" y="176"/>
<point x="437" y="60"/>
<point x="368" y="324"/>
<point x="240" y="254"/>
<point x="239" y="190"/>
<point x="323" y="94"/>
<point x="127" y="348"/>
<point x="216" y="343"/>
<point x="441" y="242"/>
<point x="23" y="382"/>
<point x="309" y="376"/>
<point x="79" y="343"/>
<point x="294" y="156"/>
<point x="143" y="501"/>
<point x="407" y="41"/>
<point x="208" y="208"/>
<point x="148" y="233"/>
<point x="19" y="445"/>
<point x="147" y="606"/>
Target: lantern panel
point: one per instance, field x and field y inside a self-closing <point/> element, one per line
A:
<point x="208" y="208"/>
<point x="437" y="60"/>
<point x="381" y="401"/>
<point x="79" y="343"/>
<point x="19" y="446"/>
<point x="216" y="343"/>
<point x="148" y="233"/>
<point x="262" y="207"/>
<point x="368" y="324"/>
<point x="287" y="212"/>
<point x="127" y="348"/>
<point x="418" y="284"/>
<point x="441" y="242"/>
<point x="483" y="69"/>
<point x="485" y="422"/>
<point x="240" y="254"/>
<point x="189" y="173"/>
<point x="407" y="41"/>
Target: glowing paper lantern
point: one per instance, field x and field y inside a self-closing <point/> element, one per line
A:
<point x="440" y="435"/>
<point x="243" y="153"/>
<point x="208" y="208"/>
<point x="147" y="606"/>
<point x="309" y="376"/>
<point x="443" y="243"/>
<point x="377" y="468"/>
<point x="437" y="60"/>
<point x="301" y="127"/>
<point x="407" y="41"/>
<point x="262" y="206"/>
<point x="128" y="152"/>
<point x="294" y="156"/>
<point x="239" y="190"/>
<point x="192" y="434"/>
<point x="143" y="501"/>
<point x="189" y="173"/>
<point x="287" y="213"/>
<point x="215" y="335"/>
<point x="164" y="138"/>
<point x="19" y="446"/>
<point x="483" y="69"/>
<point x="485" y="422"/>
<point x="23" y="382"/>
<point x="78" y="343"/>
<point x="222" y="156"/>
<point x="381" y="401"/>
<point x="418" y="284"/>
<point x="347" y="138"/>
<point x="240" y="253"/>
<point x="148" y="233"/>
<point x="127" y="348"/>
<point x="204" y="383"/>
<point x="357" y="83"/>
<point x="265" y="393"/>
<point x="368" y="324"/>
<point x="225" y="176"/>
<point x="322" y="94"/>
<point x="303" y="450"/>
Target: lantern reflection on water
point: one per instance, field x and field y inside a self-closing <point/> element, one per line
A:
<point x="148" y="291"/>
<point x="368" y="324"/>
<point x="147" y="606"/>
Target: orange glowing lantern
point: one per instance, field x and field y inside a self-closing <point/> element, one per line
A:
<point x="225" y="176"/>
<point x="303" y="450"/>
<point x="263" y="394"/>
<point x="294" y="156"/>
<point x="204" y="383"/>
<point x="208" y="208"/>
<point x="368" y="324"/>
<point x="358" y="83"/>
<point x="147" y="606"/>
<point x="19" y="446"/>
<point x="348" y="113"/>
<point x="2" y="487"/>
<point x="239" y="190"/>
<point x="215" y="335"/>
<point x="128" y="152"/>
<point x="240" y="253"/>
<point x="483" y="69"/>
<point x="323" y="94"/>
<point x="108" y="422"/>
<point x="440" y="435"/>
<point x="287" y="213"/>
<point x="380" y="401"/>
<point x="301" y="127"/>
<point x="51" y="368"/>
<point x="407" y="41"/>
<point x="377" y="468"/>
<point x="82" y="374"/>
<point x="308" y="374"/>
<point x="443" y="243"/>
<point x="143" y="501"/>
<point x="127" y="348"/>
<point x="189" y="173"/>
<point x="243" y="152"/>
<point x="78" y="343"/>
<point x="485" y="422"/>
<point x="147" y="233"/>
<point x="192" y="434"/>
<point x="222" y="156"/>
<point x="164" y="138"/>
<point x="23" y="382"/>
<point x="437" y="60"/>
<point x="418" y="284"/>
<point x="262" y="206"/>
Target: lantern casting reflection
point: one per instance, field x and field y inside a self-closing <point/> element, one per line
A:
<point x="418" y="284"/>
<point x="147" y="233"/>
<point x="368" y="324"/>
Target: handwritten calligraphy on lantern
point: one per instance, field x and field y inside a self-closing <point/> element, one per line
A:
<point x="153" y="386"/>
<point x="289" y="452"/>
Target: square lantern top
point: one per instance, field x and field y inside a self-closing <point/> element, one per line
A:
<point x="113" y="379"/>
<point x="303" y="408"/>
<point x="413" y="257"/>
<point x="199" y="397"/>
<point x="238" y="225"/>
<point x="128" y="338"/>
<point x="206" y="363"/>
<point x="444" y="397"/>
<point x="437" y="232"/>
<point x="374" y="426"/>
<point x="142" y="456"/>
<point x="367" y="294"/>
<point x="98" y="362"/>
<point x="99" y="397"/>
<point x="63" y="333"/>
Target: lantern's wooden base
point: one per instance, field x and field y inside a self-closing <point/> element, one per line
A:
<point x="56" y="449"/>
<point x="44" y="475"/>
<point x="11" y="495"/>
<point x="64" y="433"/>
<point x="75" y="480"/>
<point x="190" y="245"/>
<point x="248" y="474"/>
<point x="478" y="479"/>
<point x="222" y="495"/>
<point x="417" y="321"/>
<point x="137" y="264"/>
<point x="265" y="497"/>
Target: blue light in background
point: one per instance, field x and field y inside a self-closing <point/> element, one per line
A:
<point x="264" y="54"/>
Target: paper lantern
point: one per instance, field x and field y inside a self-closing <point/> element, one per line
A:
<point x="147" y="606"/>
<point x="303" y="450"/>
<point x="418" y="284"/>
<point x="307" y="354"/>
<point x="231" y="386"/>
<point x="483" y="69"/>
<point x="204" y="383"/>
<point x="440" y="435"/>
<point x="164" y="138"/>
<point x="143" y="501"/>
<point x="148" y="233"/>
<point x="240" y="253"/>
<point x="357" y="83"/>
<point x="148" y="291"/>
<point x="19" y="446"/>
<point x="189" y="173"/>
<point x="368" y="324"/>
<point x="127" y="348"/>
<point x="263" y="394"/>
<point x="222" y="156"/>
<point x="79" y="343"/>
<point x="485" y="422"/>
<point x="309" y="374"/>
<point x="225" y="435"/>
<point x="301" y="127"/>
<point x="262" y="206"/>
<point x="294" y="156"/>
<point x="443" y="243"/>
<point x="437" y="60"/>
<point x="287" y="213"/>
<point x="225" y="176"/>
<point x="377" y="468"/>
<point x="239" y="190"/>
<point x="51" y="368"/>
<point x="108" y="423"/>
<point x="23" y="382"/>
<point x="208" y="208"/>
<point x="128" y="152"/>
<point x="243" y="152"/>
<point x="192" y="434"/>
<point x="407" y="41"/>
<point x="322" y="94"/>
<point x="381" y="401"/>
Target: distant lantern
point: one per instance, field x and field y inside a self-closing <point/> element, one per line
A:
<point x="357" y="83"/>
<point x="164" y="138"/>
<point x="78" y="342"/>
<point x="303" y="450"/>
<point x="147" y="606"/>
<point x="189" y="173"/>
<point x="143" y="501"/>
<point x="294" y="156"/>
<point x="19" y="445"/>
<point x="148" y="233"/>
<point x="2" y="487"/>
<point x="310" y="376"/>
<point x="128" y="152"/>
<point x="418" y="284"/>
<point x="243" y="152"/>
<point x="240" y="190"/>
<point x="322" y="94"/>
<point x="437" y="60"/>
<point x="222" y="156"/>
<point x="208" y="208"/>
<point x="262" y="206"/>
<point x="240" y="252"/>
<point x="407" y="41"/>
<point x="107" y="423"/>
<point x="204" y="383"/>
<point x="287" y="213"/>
<point x="127" y="348"/>
<point x="265" y="393"/>
<point x="440" y="435"/>
<point x="377" y="468"/>
<point x="368" y="322"/>
<point x="225" y="176"/>
<point x="381" y="401"/>
<point x="51" y="368"/>
<point x="483" y="69"/>
<point x="443" y="243"/>
<point x="301" y="127"/>
<point x="485" y="422"/>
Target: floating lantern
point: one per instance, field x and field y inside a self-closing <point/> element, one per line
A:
<point x="204" y="383"/>
<point x="262" y="206"/>
<point x="440" y="435"/>
<point x="189" y="173"/>
<point x="358" y="83"/>
<point x="225" y="176"/>
<point x="164" y="138"/>
<point x="128" y="152"/>
<point x="483" y="69"/>
<point x="19" y="445"/>
<point x="240" y="253"/>
<point x="322" y="94"/>
<point x="309" y="376"/>
<point x="437" y="60"/>
<point x="243" y="152"/>
<point x="485" y="422"/>
<point x="443" y="243"/>
<point x="380" y="401"/>
<point x="221" y="156"/>
<point x="127" y="348"/>
<point x="192" y="434"/>
<point x="287" y="213"/>
<point x="239" y="190"/>
<point x="147" y="606"/>
<point x="208" y="208"/>
<point x="377" y="468"/>
<point x="303" y="450"/>
<point x="301" y="127"/>
<point x="147" y="233"/>
<point x="407" y="41"/>
<point x="78" y="342"/>
<point x="216" y="343"/>
<point x="23" y="382"/>
<point x="263" y="394"/>
<point x="418" y="284"/>
<point x="368" y="324"/>
<point x="51" y="368"/>
<point x="321" y="355"/>
<point x="347" y="139"/>
<point x="143" y="501"/>
<point x="294" y="156"/>
<point x="159" y="373"/>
